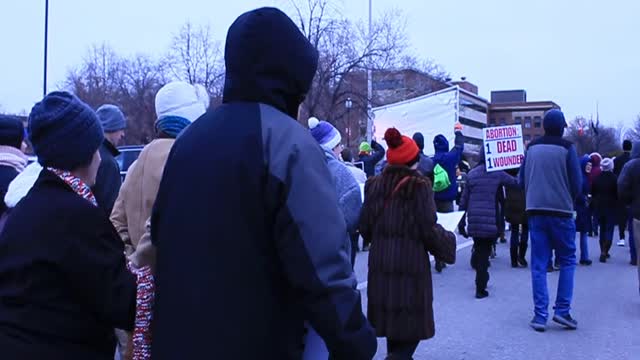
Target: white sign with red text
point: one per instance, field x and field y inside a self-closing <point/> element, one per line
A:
<point x="503" y="147"/>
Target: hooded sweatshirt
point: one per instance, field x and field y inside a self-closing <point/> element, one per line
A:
<point x="583" y="218"/>
<point x="247" y="215"/>
<point x="596" y="168"/>
<point x="448" y="159"/>
<point x="551" y="173"/>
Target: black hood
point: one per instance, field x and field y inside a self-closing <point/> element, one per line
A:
<point x="268" y="60"/>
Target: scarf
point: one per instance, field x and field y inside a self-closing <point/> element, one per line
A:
<point x="145" y="296"/>
<point x="76" y="184"/>
<point x="10" y="156"/>
<point x="172" y="125"/>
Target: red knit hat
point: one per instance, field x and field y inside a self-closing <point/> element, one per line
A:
<point x="402" y="149"/>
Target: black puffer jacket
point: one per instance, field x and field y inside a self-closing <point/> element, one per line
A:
<point x="629" y="182"/>
<point x="605" y="194"/>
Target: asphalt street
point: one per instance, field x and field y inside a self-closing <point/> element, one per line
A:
<point x="606" y="305"/>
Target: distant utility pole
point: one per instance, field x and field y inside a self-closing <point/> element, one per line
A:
<point x="46" y="38"/>
<point x="369" y="84"/>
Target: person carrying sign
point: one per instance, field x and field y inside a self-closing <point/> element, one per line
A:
<point x="552" y="180"/>
<point x="445" y="185"/>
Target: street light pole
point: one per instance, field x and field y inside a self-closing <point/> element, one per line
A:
<point x="348" y="104"/>
<point x="369" y="82"/>
<point x="46" y="38"/>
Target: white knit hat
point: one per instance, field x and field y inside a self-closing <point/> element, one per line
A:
<point x="182" y="99"/>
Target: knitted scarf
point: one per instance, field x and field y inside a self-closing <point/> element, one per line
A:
<point x="172" y="125"/>
<point x="144" y="279"/>
<point x="10" y="156"/>
<point x="76" y="184"/>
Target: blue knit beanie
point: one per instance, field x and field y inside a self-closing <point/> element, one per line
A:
<point x="64" y="131"/>
<point x="111" y="118"/>
<point x="324" y="133"/>
<point x="554" y="123"/>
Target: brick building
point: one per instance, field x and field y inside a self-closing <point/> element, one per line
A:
<point x="511" y="107"/>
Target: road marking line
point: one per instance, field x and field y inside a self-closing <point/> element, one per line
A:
<point x="464" y="245"/>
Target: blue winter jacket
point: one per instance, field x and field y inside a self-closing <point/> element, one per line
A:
<point x="583" y="215"/>
<point x="480" y="200"/>
<point x="448" y="159"/>
<point x="349" y="195"/>
<point x="250" y="240"/>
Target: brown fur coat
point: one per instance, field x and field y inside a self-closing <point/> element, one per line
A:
<point x="399" y="217"/>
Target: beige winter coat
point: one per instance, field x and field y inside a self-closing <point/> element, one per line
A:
<point x="133" y="207"/>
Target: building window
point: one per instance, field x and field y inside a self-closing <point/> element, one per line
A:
<point x="527" y="122"/>
<point x="518" y="120"/>
<point x="527" y="137"/>
<point x="492" y="122"/>
<point x="537" y="122"/>
<point x="503" y="122"/>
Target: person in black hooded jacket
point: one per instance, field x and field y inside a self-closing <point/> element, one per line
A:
<point x="253" y="244"/>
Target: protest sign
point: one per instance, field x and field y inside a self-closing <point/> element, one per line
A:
<point x="503" y="147"/>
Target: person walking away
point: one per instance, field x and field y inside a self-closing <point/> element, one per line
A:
<point x="79" y="288"/>
<point x="596" y="170"/>
<point x="358" y="174"/>
<point x="259" y="219"/>
<point x="583" y="215"/>
<point x="515" y="214"/>
<point x="629" y="193"/>
<point x="461" y="179"/>
<point x="347" y="188"/>
<point x="177" y="105"/>
<point x="109" y="180"/>
<point x="425" y="165"/>
<point x="552" y="179"/>
<point x="370" y="155"/>
<point x="399" y="218"/>
<point x="12" y="158"/>
<point x="625" y="216"/>
<point x="605" y="204"/>
<point x="480" y="201"/>
<point x="445" y="183"/>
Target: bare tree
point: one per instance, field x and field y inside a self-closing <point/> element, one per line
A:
<point x="633" y="133"/>
<point x="131" y="84"/>
<point x="197" y="58"/>
<point x="593" y="137"/>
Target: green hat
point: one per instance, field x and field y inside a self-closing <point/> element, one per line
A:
<point x="365" y="147"/>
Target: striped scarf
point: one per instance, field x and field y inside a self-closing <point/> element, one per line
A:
<point x="76" y="184"/>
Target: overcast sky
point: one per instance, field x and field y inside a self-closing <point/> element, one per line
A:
<point x="574" y="52"/>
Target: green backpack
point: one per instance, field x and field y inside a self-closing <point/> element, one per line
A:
<point x="440" y="179"/>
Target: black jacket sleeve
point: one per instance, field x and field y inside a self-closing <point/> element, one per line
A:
<point x="108" y="182"/>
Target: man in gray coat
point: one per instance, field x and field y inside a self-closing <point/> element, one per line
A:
<point x="629" y="193"/>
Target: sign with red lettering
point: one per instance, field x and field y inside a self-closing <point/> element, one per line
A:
<point x="503" y="147"/>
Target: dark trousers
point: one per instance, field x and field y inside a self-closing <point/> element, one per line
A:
<point x="401" y="350"/>
<point x="354" y="247"/>
<point x="481" y="253"/>
<point x="518" y="238"/>
<point x="444" y="206"/>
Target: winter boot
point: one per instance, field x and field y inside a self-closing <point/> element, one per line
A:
<point x="603" y="251"/>
<point x="522" y="254"/>
<point x="514" y="257"/>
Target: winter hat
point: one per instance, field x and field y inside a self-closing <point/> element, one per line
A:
<point x="64" y="131"/>
<point x="324" y="133"/>
<point x="11" y="131"/>
<point x="178" y="104"/>
<point x="419" y="139"/>
<point x="402" y="149"/>
<point x="111" y="118"/>
<point x="365" y="147"/>
<point x="626" y="145"/>
<point x="554" y="123"/>
<point x="607" y="164"/>
<point x="596" y="159"/>
<point x="440" y="143"/>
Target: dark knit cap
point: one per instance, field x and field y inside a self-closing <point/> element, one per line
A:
<point x="64" y="131"/>
<point x="111" y="118"/>
<point x="626" y="145"/>
<point x="11" y="131"/>
<point x="554" y="123"/>
<point x="419" y="139"/>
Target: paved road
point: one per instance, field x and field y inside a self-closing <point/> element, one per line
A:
<point x="606" y="305"/>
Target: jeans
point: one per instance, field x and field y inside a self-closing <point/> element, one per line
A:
<point x="584" y="246"/>
<point x="517" y="238"/>
<point x="552" y="233"/>
<point x="354" y="247"/>
<point x="482" y="251"/>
